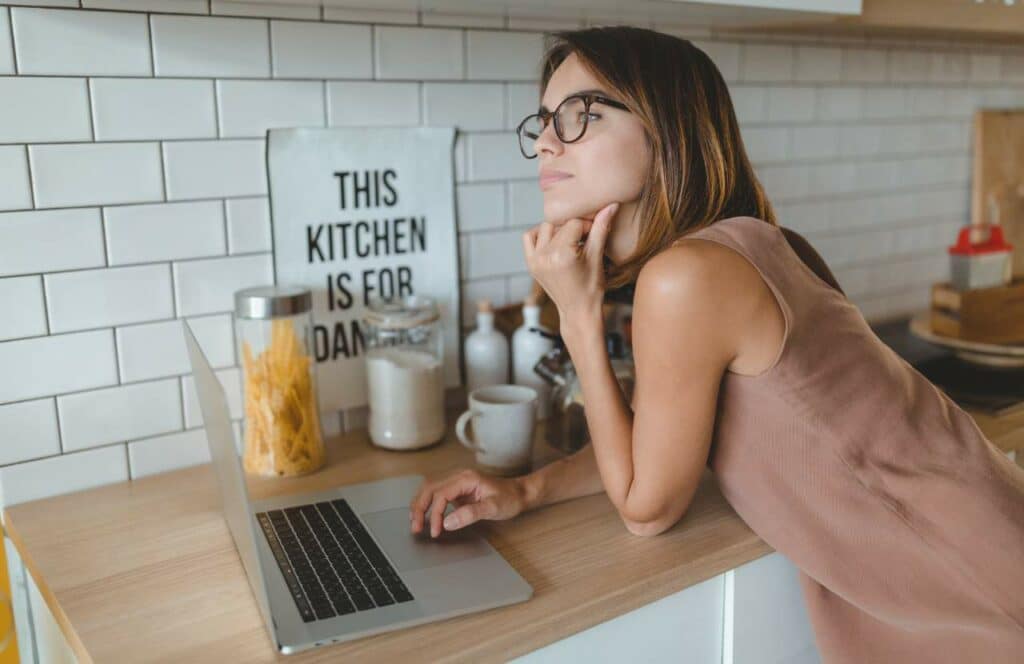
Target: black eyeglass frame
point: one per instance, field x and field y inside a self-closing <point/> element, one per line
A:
<point x="588" y="100"/>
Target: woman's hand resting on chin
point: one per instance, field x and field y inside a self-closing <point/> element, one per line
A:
<point x="567" y="262"/>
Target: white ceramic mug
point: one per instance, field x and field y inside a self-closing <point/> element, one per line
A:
<point x="503" y="419"/>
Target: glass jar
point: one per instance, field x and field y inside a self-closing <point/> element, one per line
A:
<point x="404" y="372"/>
<point x="566" y="428"/>
<point x="282" y="418"/>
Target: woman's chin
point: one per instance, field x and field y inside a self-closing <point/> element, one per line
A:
<point x="557" y="213"/>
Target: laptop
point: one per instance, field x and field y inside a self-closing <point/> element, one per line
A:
<point x="342" y="564"/>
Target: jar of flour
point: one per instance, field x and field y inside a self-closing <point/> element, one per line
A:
<point x="404" y="372"/>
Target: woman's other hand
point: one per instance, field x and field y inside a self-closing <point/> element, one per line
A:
<point x="476" y="496"/>
<point x="567" y="261"/>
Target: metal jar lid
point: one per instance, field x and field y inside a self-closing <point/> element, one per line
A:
<point x="272" y="301"/>
<point x="401" y="312"/>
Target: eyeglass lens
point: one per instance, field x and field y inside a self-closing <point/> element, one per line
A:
<point x="570" y="122"/>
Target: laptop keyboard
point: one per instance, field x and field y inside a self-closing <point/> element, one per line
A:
<point x="330" y="562"/>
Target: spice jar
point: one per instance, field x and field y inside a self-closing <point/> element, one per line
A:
<point x="404" y="372"/>
<point x="282" y="421"/>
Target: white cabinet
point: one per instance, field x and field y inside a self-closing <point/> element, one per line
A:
<point x="753" y="614"/>
<point x="51" y="645"/>
<point x="683" y="627"/>
<point x="768" y="621"/>
<point x="40" y="639"/>
<point x="20" y="604"/>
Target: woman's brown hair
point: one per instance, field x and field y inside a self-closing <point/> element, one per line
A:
<point x="700" y="172"/>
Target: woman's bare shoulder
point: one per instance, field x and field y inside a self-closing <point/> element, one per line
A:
<point x="707" y="270"/>
<point x="691" y="284"/>
<point x="720" y="291"/>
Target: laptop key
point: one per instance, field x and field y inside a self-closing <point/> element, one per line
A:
<point x="335" y="591"/>
<point x="379" y="593"/>
<point x="401" y="593"/>
<point x="363" y="601"/>
<point x="323" y="610"/>
<point x="344" y="606"/>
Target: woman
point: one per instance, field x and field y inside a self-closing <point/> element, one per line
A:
<point x="906" y="523"/>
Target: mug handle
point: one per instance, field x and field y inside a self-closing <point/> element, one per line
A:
<point x="460" y="431"/>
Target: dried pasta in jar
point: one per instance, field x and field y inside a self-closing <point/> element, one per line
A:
<point x="282" y="424"/>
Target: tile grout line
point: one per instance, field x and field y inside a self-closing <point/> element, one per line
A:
<point x="56" y="419"/>
<point x="95" y="268"/>
<point x="373" y="52"/>
<point x="105" y="238"/>
<point x="163" y="170"/>
<point x="270" y="52"/>
<point x="14" y="49"/>
<point x="31" y="178"/>
<point x="151" y="51"/>
<point x="216" y="109"/>
<point x="327" y="104"/>
<point x="91" y="97"/>
<point x="174" y="291"/>
<point x="46" y="307"/>
<point x="117" y="360"/>
<point x="225" y="226"/>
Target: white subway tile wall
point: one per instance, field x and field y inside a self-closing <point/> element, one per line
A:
<point x="127" y="109"/>
<point x="6" y="47"/>
<point x="133" y="184"/>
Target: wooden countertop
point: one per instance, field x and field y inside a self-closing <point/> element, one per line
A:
<point x="146" y="569"/>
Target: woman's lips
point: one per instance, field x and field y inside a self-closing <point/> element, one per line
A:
<point x="548" y="180"/>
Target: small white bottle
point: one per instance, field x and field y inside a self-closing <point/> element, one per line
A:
<point x="527" y="348"/>
<point x="486" y="351"/>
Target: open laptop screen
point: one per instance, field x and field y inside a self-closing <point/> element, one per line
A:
<point x="227" y="468"/>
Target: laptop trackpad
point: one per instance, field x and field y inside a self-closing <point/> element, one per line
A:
<point x="409" y="551"/>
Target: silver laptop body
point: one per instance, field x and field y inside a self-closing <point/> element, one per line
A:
<point x="428" y="580"/>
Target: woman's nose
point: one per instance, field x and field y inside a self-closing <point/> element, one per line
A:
<point x="548" y="140"/>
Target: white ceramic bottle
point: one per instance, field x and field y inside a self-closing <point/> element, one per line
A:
<point x="486" y="350"/>
<point x="527" y="348"/>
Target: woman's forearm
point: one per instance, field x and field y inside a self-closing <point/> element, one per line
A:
<point x="570" y="477"/>
<point x="609" y="417"/>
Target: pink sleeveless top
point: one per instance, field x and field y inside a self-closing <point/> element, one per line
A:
<point x="906" y="522"/>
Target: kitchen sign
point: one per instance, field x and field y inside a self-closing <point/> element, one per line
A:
<point x="361" y="212"/>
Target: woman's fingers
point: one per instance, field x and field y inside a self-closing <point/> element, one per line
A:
<point x="572" y="231"/>
<point x="421" y="502"/>
<point x="600" y="229"/>
<point x="467" y="514"/>
<point x="544" y="234"/>
<point x="529" y="241"/>
<point x="433" y="497"/>
<point x="458" y="487"/>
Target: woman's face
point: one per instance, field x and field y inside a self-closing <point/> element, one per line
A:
<point x="608" y="164"/>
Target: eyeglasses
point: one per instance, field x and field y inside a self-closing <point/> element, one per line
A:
<point x="571" y="119"/>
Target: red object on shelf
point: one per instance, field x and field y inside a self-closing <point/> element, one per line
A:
<point x="994" y="243"/>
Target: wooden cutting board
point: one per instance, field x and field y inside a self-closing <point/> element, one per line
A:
<point x="999" y="176"/>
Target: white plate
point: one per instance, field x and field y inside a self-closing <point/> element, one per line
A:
<point x="988" y="354"/>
